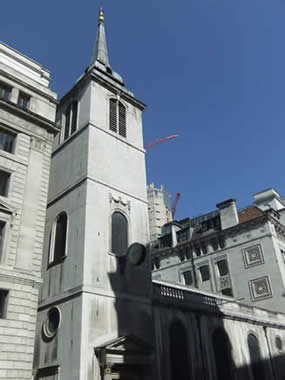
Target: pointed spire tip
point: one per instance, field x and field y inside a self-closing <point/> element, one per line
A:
<point x="100" y="52"/>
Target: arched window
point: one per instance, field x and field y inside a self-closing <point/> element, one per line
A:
<point x="223" y="354"/>
<point x="256" y="363"/>
<point x="117" y="117"/>
<point x="122" y="120"/>
<point x="70" y="119"/>
<point x="113" y="115"/>
<point x="119" y="234"/>
<point x="179" y="356"/>
<point x="58" y="239"/>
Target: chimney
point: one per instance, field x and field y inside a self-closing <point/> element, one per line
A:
<point x="173" y="235"/>
<point x="228" y="213"/>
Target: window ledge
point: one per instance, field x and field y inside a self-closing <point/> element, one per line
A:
<point x="115" y="254"/>
<point x="56" y="262"/>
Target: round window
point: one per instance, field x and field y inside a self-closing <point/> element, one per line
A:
<point x="51" y="323"/>
<point x="278" y="343"/>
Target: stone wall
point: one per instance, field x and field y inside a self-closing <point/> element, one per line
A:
<point x="23" y="207"/>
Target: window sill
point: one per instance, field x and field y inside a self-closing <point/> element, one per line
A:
<point x="58" y="261"/>
<point x="116" y="254"/>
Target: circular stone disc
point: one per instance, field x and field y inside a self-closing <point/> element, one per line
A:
<point x="136" y="253"/>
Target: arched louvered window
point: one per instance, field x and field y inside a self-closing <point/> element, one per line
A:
<point x="122" y="120"/>
<point x="117" y="117"/>
<point x="256" y="364"/>
<point x="58" y="239"/>
<point x="113" y="115"/>
<point x="119" y="234"/>
<point x="179" y="355"/>
<point x="223" y="354"/>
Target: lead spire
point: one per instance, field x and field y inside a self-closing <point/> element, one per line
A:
<point x="100" y="50"/>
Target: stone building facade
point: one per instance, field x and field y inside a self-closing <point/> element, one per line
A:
<point x="238" y="253"/>
<point x="199" y="335"/>
<point x="27" y="128"/>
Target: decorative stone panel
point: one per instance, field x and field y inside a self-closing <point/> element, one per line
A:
<point x="253" y="256"/>
<point x="260" y="288"/>
<point x="119" y="201"/>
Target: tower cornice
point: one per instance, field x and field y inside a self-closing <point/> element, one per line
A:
<point x="106" y="81"/>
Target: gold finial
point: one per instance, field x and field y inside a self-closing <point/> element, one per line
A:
<point x="101" y="16"/>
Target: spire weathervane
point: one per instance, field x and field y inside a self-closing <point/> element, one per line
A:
<point x="101" y="16"/>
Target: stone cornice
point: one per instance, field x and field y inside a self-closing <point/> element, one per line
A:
<point x="89" y="124"/>
<point x="29" y="116"/>
<point x="106" y="81"/>
<point x="278" y="226"/>
<point x="118" y="90"/>
<point x="177" y="296"/>
<point x="79" y="290"/>
<point x="30" y="87"/>
<point x="18" y="277"/>
<point x="168" y="251"/>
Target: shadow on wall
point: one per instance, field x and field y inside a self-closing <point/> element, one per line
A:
<point x="130" y="355"/>
<point x="258" y="369"/>
<point x="212" y="352"/>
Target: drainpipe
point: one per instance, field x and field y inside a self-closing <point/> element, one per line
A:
<point x="173" y="236"/>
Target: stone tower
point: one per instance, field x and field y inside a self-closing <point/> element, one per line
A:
<point x="94" y="316"/>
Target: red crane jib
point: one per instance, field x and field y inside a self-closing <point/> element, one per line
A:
<point x="174" y="205"/>
<point x="159" y="141"/>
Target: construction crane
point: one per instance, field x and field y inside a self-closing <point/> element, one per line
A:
<point x="174" y="204"/>
<point x="159" y="141"/>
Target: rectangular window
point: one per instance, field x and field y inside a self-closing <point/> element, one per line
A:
<point x="24" y="100"/>
<point x="214" y="244"/>
<point x="4" y="183"/>
<point x="7" y="140"/>
<point x="2" y="231"/>
<point x="204" y="248"/>
<point x="222" y="243"/>
<point x="5" y="91"/>
<point x="227" y="292"/>
<point x="205" y="272"/>
<point x="67" y="122"/>
<point x="74" y="108"/>
<point x="222" y="267"/>
<point x="197" y="250"/>
<point x="3" y="302"/>
<point x="188" y="278"/>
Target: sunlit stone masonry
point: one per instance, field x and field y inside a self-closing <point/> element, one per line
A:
<point x="27" y="129"/>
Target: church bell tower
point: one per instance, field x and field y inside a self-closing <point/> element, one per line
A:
<point x="95" y="319"/>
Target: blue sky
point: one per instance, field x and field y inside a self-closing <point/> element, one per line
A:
<point x="210" y="70"/>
